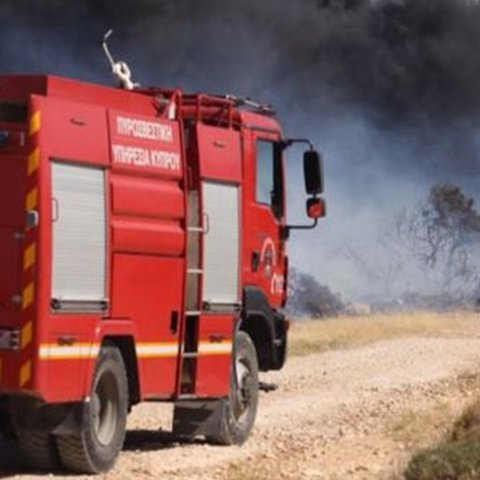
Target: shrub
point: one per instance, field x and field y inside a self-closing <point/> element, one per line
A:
<point x="308" y="297"/>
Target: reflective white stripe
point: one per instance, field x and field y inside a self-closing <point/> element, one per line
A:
<point x="157" y="350"/>
<point x="145" y="350"/>
<point x="75" y="351"/>
<point x="215" y="348"/>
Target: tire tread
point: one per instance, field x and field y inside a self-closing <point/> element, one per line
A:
<point x="73" y="455"/>
<point x="39" y="450"/>
<point x="229" y="433"/>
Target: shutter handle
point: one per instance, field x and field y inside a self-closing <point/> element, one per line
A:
<point x="206" y="223"/>
<point x="55" y="210"/>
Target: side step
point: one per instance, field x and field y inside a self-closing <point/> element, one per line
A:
<point x="267" y="387"/>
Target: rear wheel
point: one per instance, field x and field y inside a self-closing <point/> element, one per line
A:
<point x="7" y="428"/>
<point x="38" y="449"/>
<point x="99" y="440"/>
<point x="238" y="414"/>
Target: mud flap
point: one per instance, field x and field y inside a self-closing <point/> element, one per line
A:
<point x="198" y="418"/>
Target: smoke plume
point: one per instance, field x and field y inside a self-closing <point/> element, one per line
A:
<point x="388" y="89"/>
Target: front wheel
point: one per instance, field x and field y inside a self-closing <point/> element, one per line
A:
<point x="239" y="412"/>
<point x="99" y="440"/>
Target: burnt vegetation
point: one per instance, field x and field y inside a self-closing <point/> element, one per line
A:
<point x="309" y="298"/>
<point x="428" y="256"/>
<point x="443" y="234"/>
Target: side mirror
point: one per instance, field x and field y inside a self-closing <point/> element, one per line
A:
<point x="313" y="171"/>
<point x="316" y="208"/>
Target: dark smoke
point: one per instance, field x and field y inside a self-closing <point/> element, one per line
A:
<point x="389" y="89"/>
<point x="408" y="65"/>
<point x="413" y="58"/>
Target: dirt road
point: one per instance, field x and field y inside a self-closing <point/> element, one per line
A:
<point x="332" y="417"/>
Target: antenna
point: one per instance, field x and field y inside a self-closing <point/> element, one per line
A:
<point x="120" y="70"/>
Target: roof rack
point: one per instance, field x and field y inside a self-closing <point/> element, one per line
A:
<point x="214" y="108"/>
<point x="263" y="108"/>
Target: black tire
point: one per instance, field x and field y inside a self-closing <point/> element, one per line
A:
<point x="38" y="450"/>
<point x="97" y="444"/>
<point x="239" y="412"/>
<point x="7" y="429"/>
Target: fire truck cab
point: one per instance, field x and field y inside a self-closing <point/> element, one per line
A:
<point x="142" y="257"/>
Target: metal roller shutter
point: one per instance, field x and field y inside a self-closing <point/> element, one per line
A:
<point x="79" y="233"/>
<point x="221" y="254"/>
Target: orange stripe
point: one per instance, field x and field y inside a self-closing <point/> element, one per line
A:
<point x="35" y="122"/>
<point x="32" y="199"/>
<point x="25" y="373"/>
<point x="29" y="256"/>
<point x="33" y="161"/>
<point x="27" y="335"/>
<point x="28" y="295"/>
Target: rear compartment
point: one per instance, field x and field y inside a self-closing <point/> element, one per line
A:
<point x="13" y="215"/>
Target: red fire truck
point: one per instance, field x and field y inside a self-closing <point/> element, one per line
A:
<point x="142" y="257"/>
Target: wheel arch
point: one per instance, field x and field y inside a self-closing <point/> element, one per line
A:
<point x="260" y="321"/>
<point x="126" y="346"/>
<point x="257" y="327"/>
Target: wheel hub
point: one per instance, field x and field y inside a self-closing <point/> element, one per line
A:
<point x="243" y="391"/>
<point x="104" y="408"/>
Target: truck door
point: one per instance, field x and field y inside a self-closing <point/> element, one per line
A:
<point x="264" y="215"/>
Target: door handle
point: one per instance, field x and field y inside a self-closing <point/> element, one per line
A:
<point x="174" y="322"/>
<point x="255" y="260"/>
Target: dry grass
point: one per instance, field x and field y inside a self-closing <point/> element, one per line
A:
<point x="457" y="457"/>
<point x="417" y="429"/>
<point x="449" y="461"/>
<point x="348" y="332"/>
<point x="467" y="427"/>
<point x="249" y="470"/>
<point x="457" y="454"/>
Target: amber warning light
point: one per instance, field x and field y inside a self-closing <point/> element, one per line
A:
<point x="316" y="208"/>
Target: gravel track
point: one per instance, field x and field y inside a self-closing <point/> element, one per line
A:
<point x="327" y="420"/>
